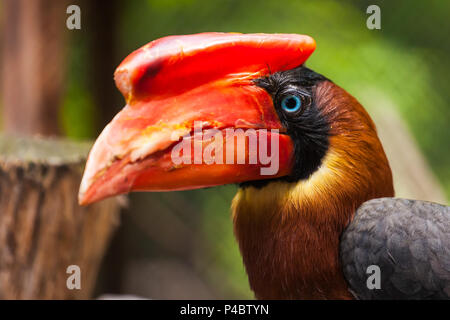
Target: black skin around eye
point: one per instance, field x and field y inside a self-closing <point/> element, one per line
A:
<point x="308" y="128"/>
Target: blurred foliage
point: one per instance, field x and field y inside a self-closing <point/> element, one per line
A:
<point x="79" y="112"/>
<point x="406" y="62"/>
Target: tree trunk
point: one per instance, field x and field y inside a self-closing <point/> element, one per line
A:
<point x="43" y="230"/>
<point x="33" y="53"/>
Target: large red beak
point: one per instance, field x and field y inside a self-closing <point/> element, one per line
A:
<point x="177" y="84"/>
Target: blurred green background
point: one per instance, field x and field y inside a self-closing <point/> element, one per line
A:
<point x="181" y="245"/>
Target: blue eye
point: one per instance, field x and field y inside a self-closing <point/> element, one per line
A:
<point x="291" y="103"/>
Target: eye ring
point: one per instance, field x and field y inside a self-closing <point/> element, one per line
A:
<point x="291" y="103"/>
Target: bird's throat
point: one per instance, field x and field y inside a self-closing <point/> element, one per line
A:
<point x="289" y="241"/>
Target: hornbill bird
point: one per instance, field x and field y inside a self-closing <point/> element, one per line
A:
<point x="310" y="229"/>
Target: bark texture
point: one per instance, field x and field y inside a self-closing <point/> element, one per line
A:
<point x="43" y="230"/>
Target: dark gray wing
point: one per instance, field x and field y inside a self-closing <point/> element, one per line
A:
<point x="409" y="240"/>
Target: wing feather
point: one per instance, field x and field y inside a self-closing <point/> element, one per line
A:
<point x="409" y="240"/>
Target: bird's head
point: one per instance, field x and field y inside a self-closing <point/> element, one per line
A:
<point x="218" y="108"/>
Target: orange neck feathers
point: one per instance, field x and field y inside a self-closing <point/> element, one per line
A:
<point x="288" y="233"/>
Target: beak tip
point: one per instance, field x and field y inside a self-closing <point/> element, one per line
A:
<point x="87" y="198"/>
<point x="82" y="199"/>
<point x="86" y="194"/>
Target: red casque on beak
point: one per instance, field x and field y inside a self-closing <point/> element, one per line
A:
<point x="175" y="83"/>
